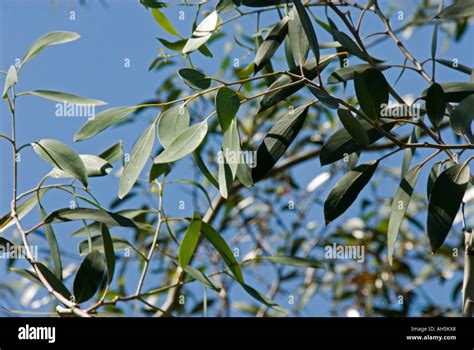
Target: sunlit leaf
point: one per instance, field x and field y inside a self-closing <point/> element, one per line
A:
<point x="10" y="80"/>
<point x="190" y="241"/>
<point x="164" y="22"/>
<point x="49" y="39"/>
<point x="172" y="122"/>
<point x="227" y="105"/>
<point x="64" y="97"/>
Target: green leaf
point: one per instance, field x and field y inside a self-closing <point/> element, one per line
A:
<point x="262" y="298"/>
<point x="277" y="141"/>
<point x="458" y="10"/>
<point x="225" y="6"/>
<point x="227" y="106"/>
<point x="10" y="80"/>
<point x="290" y="261"/>
<point x="433" y="175"/>
<point x="53" y="281"/>
<point x="22" y="210"/>
<point x="172" y="122"/>
<point x="280" y="90"/>
<point x="435" y="104"/>
<point x="264" y="3"/>
<point x="49" y="39"/>
<point x="102" y="121"/>
<point x="202" y="166"/>
<point x="109" y="251"/>
<point x="157" y="170"/>
<point x="59" y="155"/>
<point x="113" y="153"/>
<point x="190" y="241"/>
<point x="348" y="44"/>
<point x="53" y="246"/>
<point x="341" y="143"/>
<point x="270" y="45"/>
<point x="225" y="178"/>
<point x="400" y="204"/>
<point x="186" y="142"/>
<point x="98" y="244"/>
<point x="308" y="29"/>
<point x="410" y="152"/>
<point x="138" y="158"/>
<point x="461" y="117"/>
<point x="455" y="92"/>
<point x="89" y="276"/>
<point x="99" y="215"/>
<point x="455" y="65"/>
<point x="195" y="79"/>
<point x="345" y="74"/>
<point x="221" y="246"/>
<point x="29" y="275"/>
<point x="95" y="166"/>
<point x="445" y="200"/>
<point x="244" y="175"/>
<point x="163" y="21"/>
<point x="64" y="97"/>
<point x="353" y="127"/>
<point x="347" y="189"/>
<point x="324" y="97"/>
<point x="231" y="147"/>
<point x="372" y="91"/>
<point x="299" y="42"/>
<point x="201" y="277"/>
<point x="195" y="43"/>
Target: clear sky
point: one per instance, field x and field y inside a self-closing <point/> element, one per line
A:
<point x="113" y="31"/>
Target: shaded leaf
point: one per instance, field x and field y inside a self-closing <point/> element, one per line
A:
<point x="109" y="252"/>
<point x="445" y="200"/>
<point x="63" y="157"/>
<point x="454" y="92"/>
<point x="308" y="29"/>
<point x="372" y="91"/>
<point x="89" y="276"/>
<point x="99" y="215"/>
<point x="345" y="74"/>
<point x="353" y="127"/>
<point x="262" y="298"/>
<point x="277" y="141"/>
<point x="271" y="43"/>
<point x="435" y="104"/>
<point x="113" y="153"/>
<point x="324" y="97"/>
<point x="347" y="189"/>
<point x="291" y="261"/>
<point x="461" y="117"/>
<point x="400" y="204"/>
<point x="54" y="282"/>
<point x="299" y="42"/>
<point x="194" y="78"/>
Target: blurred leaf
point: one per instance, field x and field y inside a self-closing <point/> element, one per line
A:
<point x="454" y="92"/>
<point x="89" y="276"/>
<point x="347" y="189"/>
<point x="99" y="215"/>
<point x="202" y="166"/>
<point x="157" y="170"/>
<point x="163" y="21"/>
<point x="262" y="298"/>
<point x="10" y="80"/>
<point x="445" y="200"/>
<point x="138" y="158"/>
<point x="225" y="178"/>
<point x="113" y="153"/>
<point x="59" y="155"/>
<point x="290" y="261"/>
<point x="271" y="43"/>
<point x="458" y="10"/>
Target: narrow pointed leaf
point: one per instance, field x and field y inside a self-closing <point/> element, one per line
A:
<point x="299" y="42"/>
<point x="64" y="97"/>
<point x="277" y="141"/>
<point x="109" y="251"/>
<point x="138" y="158"/>
<point x="53" y="246"/>
<point x="445" y="200"/>
<point x="353" y="127"/>
<point x="372" y="91"/>
<point x="221" y="246"/>
<point x="164" y="22"/>
<point x="113" y="153"/>
<point x="195" y="79"/>
<point x="263" y="299"/>
<point x="225" y="179"/>
<point x="347" y="189"/>
<point x="102" y="121"/>
<point x="308" y="28"/>
<point x="10" y="80"/>
<point x="49" y="39"/>
<point x="400" y="204"/>
<point x="99" y="215"/>
<point x="271" y="43"/>
<point x="190" y="241"/>
<point x="460" y="9"/>
<point x="55" y="283"/>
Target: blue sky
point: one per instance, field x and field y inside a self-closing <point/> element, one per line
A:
<point x="93" y="66"/>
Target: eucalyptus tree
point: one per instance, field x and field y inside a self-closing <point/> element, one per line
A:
<point x="247" y="128"/>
